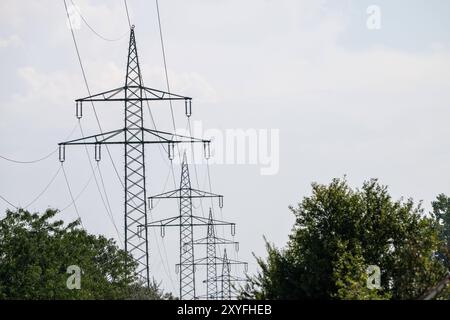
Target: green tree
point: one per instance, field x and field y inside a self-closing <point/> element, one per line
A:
<point x="36" y="250"/>
<point x="441" y="214"/>
<point x="338" y="233"/>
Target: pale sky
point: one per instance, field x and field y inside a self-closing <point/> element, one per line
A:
<point x="347" y="101"/>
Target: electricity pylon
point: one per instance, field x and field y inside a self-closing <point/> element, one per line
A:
<point x="226" y="278"/>
<point x="212" y="241"/>
<point x="134" y="136"/>
<point x="186" y="221"/>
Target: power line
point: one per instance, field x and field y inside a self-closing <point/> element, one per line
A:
<point x="45" y="189"/>
<point x="8" y="202"/>
<point x="195" y="168"/>
<point x="170" y="101"/>
<point x="109" y="205"/>
<point x="71" y="195"/>
<point x="96" y="117"/>
<point x="161" y="37"/>
<point x="171" y="107"/>
<point x="105" y="200"/>
<point x="92" y="29"/>
<point x="30" y="161"/>
<point x="79" y="194"/>
<point x="47" y="186"/>
<point x="165" y="68"/>
<point x="128" y="14"/>
<point x="89" y="90"/>
<point x="40" y="159"/>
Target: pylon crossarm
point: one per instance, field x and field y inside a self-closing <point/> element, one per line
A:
<point x="219" y="262"/>
<point x="162" y="95"/>
<point x="230" y="278"/>
<point x="215" y="241"/>
<point x="150" y="95"/>
<point x="110" y="95"/>
<point x="163" y="223"/>
<point x="173" y="138"/>
<point x="222" y="261"/>
<point x="204" y="194"/>
<point x="197" y="220"/>
<point x="176" y="194"/>
<point x="103" y="138"/>
<point x="107" y="138"/>
<point x="166" y="195"/>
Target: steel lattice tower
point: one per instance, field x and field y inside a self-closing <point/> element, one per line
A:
<point x="135" y="192"/>
<point x="187" y="268"/>
<point x="211" y="241"/>
<point x="134" y="136"/>
<point x="211" y="268"/>
<point x="226" y="277"/>
<point x="186" y="221"/>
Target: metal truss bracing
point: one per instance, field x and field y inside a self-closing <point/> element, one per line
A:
<point x="150" y="94"/>
<point x="135" y="192"/>
<point x="211" y="269"/>
<point x="134" y="137"/>
<point x="211" y="241"/>
<point x="187" y="269"/>
<point x="186" y="222"/>
<point x="226" y="279"/>
<point x="119" y="137"/>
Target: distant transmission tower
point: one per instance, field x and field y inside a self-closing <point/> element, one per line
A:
<point x="134" y="136"/>
<point x="212" y="241"/>
<point x="186" y="221"/>
<point x="226" y="278"/>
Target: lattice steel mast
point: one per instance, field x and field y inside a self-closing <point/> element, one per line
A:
<point x="211" y="241"/>
<point x="186" y="221"/>
<point x="226" y="278"/>
<point x="134" y="136"/>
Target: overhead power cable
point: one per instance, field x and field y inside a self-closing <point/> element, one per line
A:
<point x="103" y="196"/>
<point x="128" y="14"/>
<point x="92" y="29"/>
<point x="71" y="203"/>
<point x="165" y="68"/>
<point x="47" y="186"/>
<point x="97" y="119"/>
<point x="40" y="159"/>
<point x="89" y="91"/>
<point x="30" y="161"/>
<point x="71" y="196"/>
<point x="8" y="202"/>
<point x="171" y="113"/>
<point x="44" y="190"/>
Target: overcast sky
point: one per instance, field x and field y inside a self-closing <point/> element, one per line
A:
<point x="347" y="100"/>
